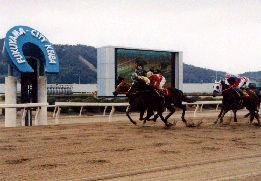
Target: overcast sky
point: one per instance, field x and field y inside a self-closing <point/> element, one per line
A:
<point x="221" y="35"/>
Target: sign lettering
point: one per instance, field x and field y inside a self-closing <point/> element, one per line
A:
<point x="51" y="54"/>
<point x="18" y="42"/>
<point x="13" y="44"/>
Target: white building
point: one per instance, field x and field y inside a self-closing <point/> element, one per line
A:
<point x="76" y="88"/>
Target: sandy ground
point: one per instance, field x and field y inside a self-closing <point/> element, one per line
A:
<point x="91" y="148"/>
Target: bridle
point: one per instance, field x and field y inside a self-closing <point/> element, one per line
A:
<point x="220" y="88"/>
<point x="225" y="89"/>
<point x="121" y="85"/>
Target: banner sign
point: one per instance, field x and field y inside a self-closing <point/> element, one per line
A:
<point x="14" y="53"/>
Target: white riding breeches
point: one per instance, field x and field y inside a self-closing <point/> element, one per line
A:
<point x="162" y="83"/>
<point x="243" y="83"/>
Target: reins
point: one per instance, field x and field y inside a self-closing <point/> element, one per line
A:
<point x="226" y="89"/>
<point x="123" y="92"/>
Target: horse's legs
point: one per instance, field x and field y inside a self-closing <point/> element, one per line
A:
<point x="128" y="115"/>
<point x="215" y="122"/>
<point x="252" y="115"/>
<point x="257" y="117"/>
<point x="149" y="114"/>
<point x="155" y="117"/>
<point x="235" y="115"/>
<point x="247" y="115"/>
<point x="222" y="115"/>
<point x="164" y="120"/>
<point x="171" y="109"/>
<point x="184" y="108"/>
<point x="141" y="114"/>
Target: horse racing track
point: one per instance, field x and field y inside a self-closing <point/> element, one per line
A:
<point x="94" y="149"/>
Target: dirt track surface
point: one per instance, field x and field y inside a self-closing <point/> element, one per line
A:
<point x="91" y="148"/>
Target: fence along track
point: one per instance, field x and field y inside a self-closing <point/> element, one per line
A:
<point x="172" y="167"/>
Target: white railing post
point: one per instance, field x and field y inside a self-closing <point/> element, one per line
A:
<point x="42" y="98"/>
<point x="111" y="113"/>
<point x="104" y="111"/>
<point x="81" y="111"/>
<point x="36" y="122"/>
<point x="10" y="98"/>
<point x="57" y="115"/>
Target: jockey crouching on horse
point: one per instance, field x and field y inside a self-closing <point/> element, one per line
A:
<point x="237" y="82"/>
<point x="140" y="71"/>
<point x="157" y="81"/>
<point x="135" y="76"/>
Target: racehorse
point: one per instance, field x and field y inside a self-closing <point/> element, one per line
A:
<point x="172" y="96"/>
<point x="123" y="88"/>
<point x="144" y="97"/>
<point x="138" y="101"/>
<point x="232" y="100"/>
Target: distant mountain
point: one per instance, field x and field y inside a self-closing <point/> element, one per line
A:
<point x="192" y="74"/>
<point x="78" y="63"/>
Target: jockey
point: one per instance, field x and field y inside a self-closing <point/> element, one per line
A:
<point x="135" y="76"/>
<point x="157" y="81"/>
<point x="236" y="81"/>
<point x="227" y="76"/>
<point x="244" y="83"/>
<point x="140" y="71"/>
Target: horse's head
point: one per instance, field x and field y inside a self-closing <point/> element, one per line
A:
<point x="122" y="88"/>
<point x="217" y="88"/>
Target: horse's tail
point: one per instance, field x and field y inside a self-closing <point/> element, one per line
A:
<point x="188" y="99"/>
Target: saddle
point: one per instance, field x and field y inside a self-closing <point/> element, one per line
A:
<point x="245" y="94"/>
<point x="166" y="92"/>
<point x="242" y="94"/>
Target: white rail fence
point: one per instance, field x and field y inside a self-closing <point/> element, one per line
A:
<point x="58" y="105"/>
<point x="24" y="109"/>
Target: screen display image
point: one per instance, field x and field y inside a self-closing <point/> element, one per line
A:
<point x="129" y="61"/>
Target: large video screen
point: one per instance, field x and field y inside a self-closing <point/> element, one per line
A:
<point x="130" y="60"/>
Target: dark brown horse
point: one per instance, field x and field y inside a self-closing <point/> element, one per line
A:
<point x="135" y="100"/>
<point x="176" y="97"/>
<point x="143" y="97"/>
<point x="232" y="100"/>
<point x="172" y="96"/>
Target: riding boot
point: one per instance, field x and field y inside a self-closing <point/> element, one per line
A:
<point x="259" y="97"/>
<point x="241" y="93"/>
<point x="162" y="95"/>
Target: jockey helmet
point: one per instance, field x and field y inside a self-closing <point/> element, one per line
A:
<point x="149" y="74"/>
<point x="139" y="67"/>
<point x="157" y="71"/>
<point x="227" y="76"/>
<point x="134" y="75"/>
